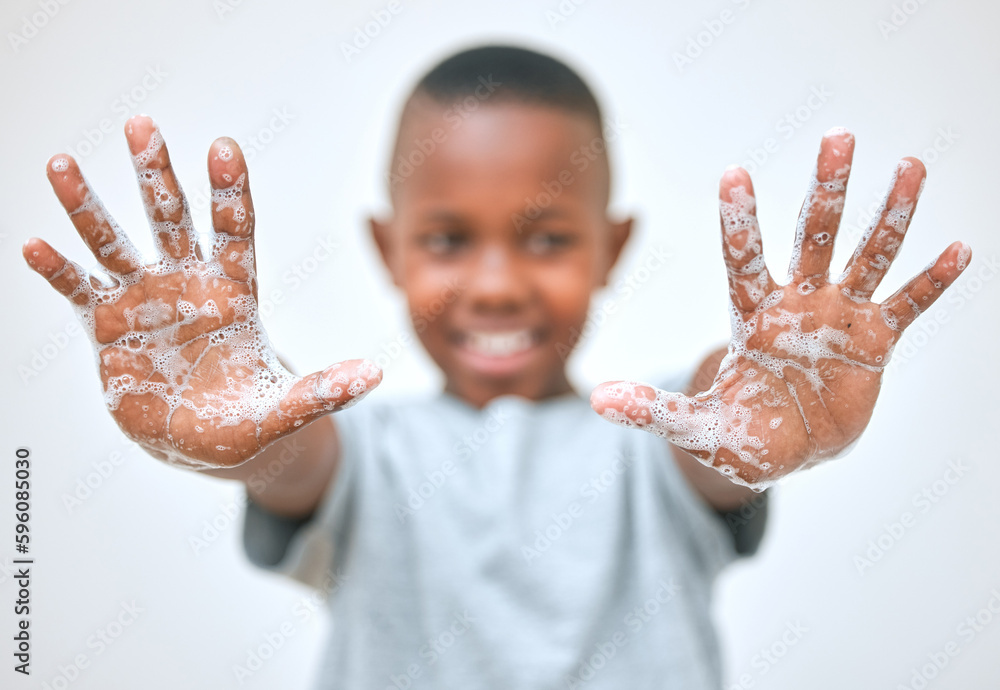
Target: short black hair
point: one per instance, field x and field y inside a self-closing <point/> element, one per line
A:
<point x="522" y="75"/>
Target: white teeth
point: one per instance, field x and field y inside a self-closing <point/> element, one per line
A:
<point x="499" y="344"/>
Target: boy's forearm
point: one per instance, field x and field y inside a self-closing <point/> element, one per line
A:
<point x="290" y="476"/>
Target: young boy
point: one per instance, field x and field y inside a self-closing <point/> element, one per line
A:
<point x="498" y="535"/>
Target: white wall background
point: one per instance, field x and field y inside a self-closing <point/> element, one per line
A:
<point x="224" y="67"/>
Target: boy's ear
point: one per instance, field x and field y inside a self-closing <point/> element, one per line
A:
<point x="382" y="234"/>
<point x="620" y="232"/>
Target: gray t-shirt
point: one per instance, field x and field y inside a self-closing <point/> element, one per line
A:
<point x="525" y="545"/>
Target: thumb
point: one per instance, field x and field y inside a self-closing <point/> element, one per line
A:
<point x="705" y="426"/>
<point x="335" y="388"/>
<point x="693" y="424"/>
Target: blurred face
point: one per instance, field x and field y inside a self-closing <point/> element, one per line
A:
<point x="499" y="237"/>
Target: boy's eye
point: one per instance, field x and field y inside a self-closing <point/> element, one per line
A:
<point x="548" y="242"/>
<point x="443" y="242"/>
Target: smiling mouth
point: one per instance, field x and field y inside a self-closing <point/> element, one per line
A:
<point x="499" y="344"/>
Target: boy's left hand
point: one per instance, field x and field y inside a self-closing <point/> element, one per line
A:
<point x="805" y="360"/>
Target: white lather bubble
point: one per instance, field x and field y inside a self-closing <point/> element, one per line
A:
<point x="964" y="254"/>
<point x="231" y="198"/>
<point x="738" y="216"/>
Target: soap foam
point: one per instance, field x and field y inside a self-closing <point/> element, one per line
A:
<point x="964" y="254"/>
<point x="815" y="201"/>
<point x="886" y="232"/>
<point x="237" y="376"/>
<point x="724" y="427"/>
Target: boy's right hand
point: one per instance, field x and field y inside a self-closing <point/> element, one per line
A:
<point x="187" y="369"/>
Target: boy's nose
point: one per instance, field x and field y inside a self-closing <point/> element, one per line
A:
<point x="496" y="281"/>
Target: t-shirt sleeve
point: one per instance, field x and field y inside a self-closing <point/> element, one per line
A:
<point x="266" y="536"/>
<point x="309" y="549"/>
<point x="746" y="525"/>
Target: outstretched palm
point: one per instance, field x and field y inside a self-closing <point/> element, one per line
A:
<point x="187" y="369"/>
<point x="805" y="362"/>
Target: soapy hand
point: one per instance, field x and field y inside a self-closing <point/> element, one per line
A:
<point x="186" y="366"/>
<point x="805" y="361"/>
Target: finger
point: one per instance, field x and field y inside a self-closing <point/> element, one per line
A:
<point x="749" y="279"/>
<point x="98" y="229"/>
<point x="822" y="210"/>
<point x="232" y="207"/>
<point x="232" y="210"/>
<point x="64" y="275"/>
<point x="333" y="389"/>
<point x="166" y="207"/>
<point x="703" y="425"/>
<point x="911" y="300"/>
<point x="884" y="236"/>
